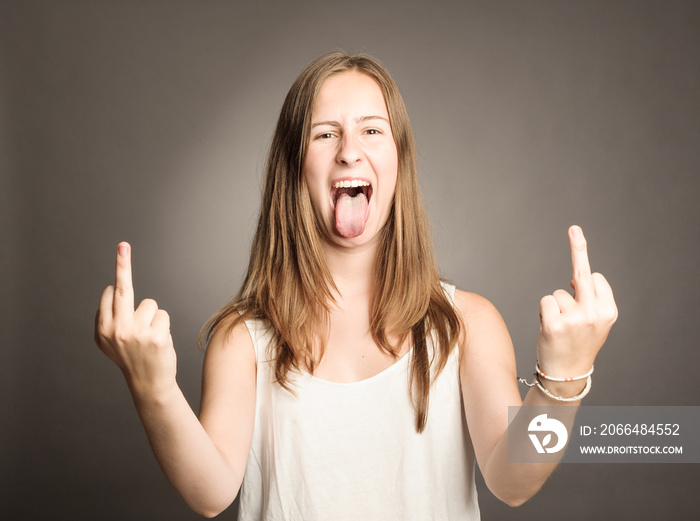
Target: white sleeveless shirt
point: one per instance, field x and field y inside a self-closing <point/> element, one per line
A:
<point x="350" y="451"/>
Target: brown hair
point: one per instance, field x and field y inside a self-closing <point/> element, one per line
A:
<point x="288" y="283"/>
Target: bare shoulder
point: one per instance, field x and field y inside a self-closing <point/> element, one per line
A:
<point x="229" y="369"/>
<point x="230" y="353"/>
<point x="230" y="341"/>
<point x="475" y="309"/>
<point x="486" y="337"/>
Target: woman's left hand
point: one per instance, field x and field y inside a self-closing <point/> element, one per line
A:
<point x="574" y="328"/>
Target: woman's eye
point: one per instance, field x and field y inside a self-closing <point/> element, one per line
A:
<point x="373" y="131"/>
<point x="325" y="135"/>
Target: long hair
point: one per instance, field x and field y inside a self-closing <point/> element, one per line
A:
<point x="288" y="283"/>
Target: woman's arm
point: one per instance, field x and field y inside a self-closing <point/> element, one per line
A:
<point x="572" y="331"/>
<point x="206" y="460"/>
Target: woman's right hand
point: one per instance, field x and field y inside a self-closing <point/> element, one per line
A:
<point x="138" y="341"/>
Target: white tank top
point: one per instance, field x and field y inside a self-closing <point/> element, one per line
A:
<point x="350" y="451"/>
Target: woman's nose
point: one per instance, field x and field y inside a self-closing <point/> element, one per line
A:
<point x="349" y="152"/>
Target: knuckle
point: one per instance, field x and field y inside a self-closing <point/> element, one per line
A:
<point x="600" y="281"/>
<point x="553" y="328"/>
<point x="149" y="303"/>
<point x="610" y="314"/>
<point x="569" y="321"/>
<point x="583" y="318"/>
<point x="161" y="339"/>
<point x="100" y="336"/>
<point x="589" y="318"/>
<point x="561" y="295"/>
<point x="121" y="335"/>
<point x="100" y="331"/>
<point x="158" y="338"/>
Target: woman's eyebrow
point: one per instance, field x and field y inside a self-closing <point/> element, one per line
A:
<point x="336" y="124"/>
<point x="366" y="118"/>
<point x="329" y="123"/>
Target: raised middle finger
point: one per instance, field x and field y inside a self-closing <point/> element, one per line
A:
<point x="123" y="288"/>
<point x="582" y="282"/>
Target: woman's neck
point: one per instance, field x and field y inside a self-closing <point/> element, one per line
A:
<point x="352" y="269"/>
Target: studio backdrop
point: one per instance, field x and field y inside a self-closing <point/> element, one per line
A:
<point x="149" y="121"/>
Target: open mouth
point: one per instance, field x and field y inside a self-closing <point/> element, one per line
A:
<point x="350" y="199"/>
<point x="351" y="187"/>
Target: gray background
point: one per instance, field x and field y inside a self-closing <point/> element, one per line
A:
<point x="148" y="122"/>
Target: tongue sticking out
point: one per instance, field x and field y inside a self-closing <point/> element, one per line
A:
<point x="351" y="214"/>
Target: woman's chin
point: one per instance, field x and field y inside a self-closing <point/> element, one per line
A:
<point x="369" y="236"/>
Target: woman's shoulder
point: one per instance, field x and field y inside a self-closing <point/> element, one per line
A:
<point x="474" y="308"/>
<point x="231" y="336"/>
<point x="473" y="302"/>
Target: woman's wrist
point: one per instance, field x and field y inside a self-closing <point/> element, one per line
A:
<point x="564" y="389"/>
<point x="149" y="394"/>
<point x="552" y="369"/>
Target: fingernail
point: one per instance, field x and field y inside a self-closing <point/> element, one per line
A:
<point x="576" y="232"/>
<point x="122" y="250"/>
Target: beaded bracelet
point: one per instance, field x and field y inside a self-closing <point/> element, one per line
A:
<point x="569" y="379"/>
<point x="583" y="393"/>
<point x="538" y="383"/>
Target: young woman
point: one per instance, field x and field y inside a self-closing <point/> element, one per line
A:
<point x="346" y="380"/>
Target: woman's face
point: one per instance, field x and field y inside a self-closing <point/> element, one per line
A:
<point x="351" y="162"/>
